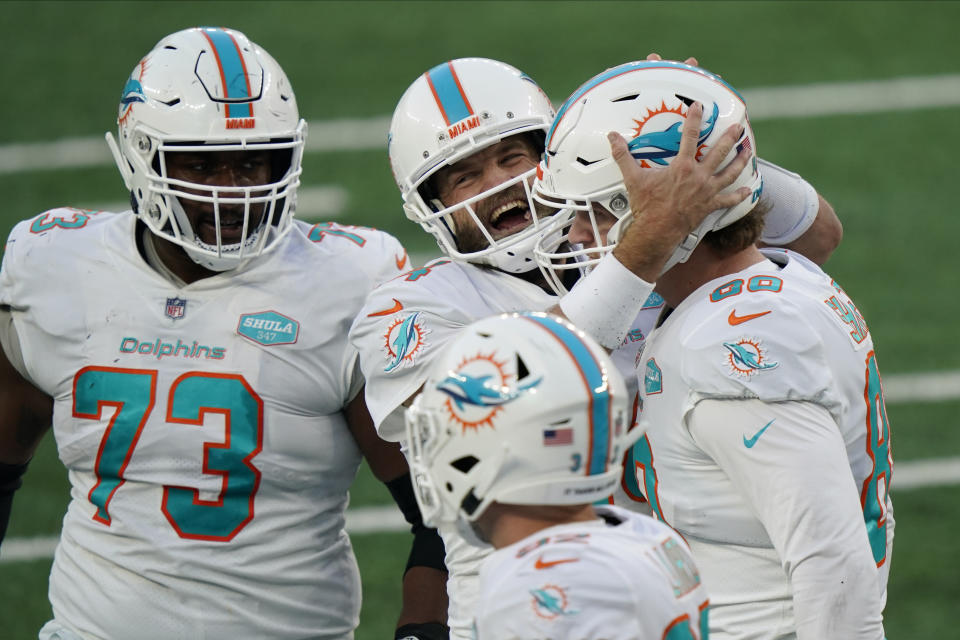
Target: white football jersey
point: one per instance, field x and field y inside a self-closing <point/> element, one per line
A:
<point x="201" y="427"/>
<point x="405" y="324"/>
<point x="626" y="577"/>
<point x="767" y="441"/>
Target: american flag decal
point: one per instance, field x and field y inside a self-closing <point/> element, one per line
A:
<point x="557" y="436"/>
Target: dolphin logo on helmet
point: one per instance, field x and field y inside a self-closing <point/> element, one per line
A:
<point x="477" y="391"/>
<point x="132" y="92"/>
<point x="667" y="142"/>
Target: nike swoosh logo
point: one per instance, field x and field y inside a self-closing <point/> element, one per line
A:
<point x="398" y="306"/>
<point x="752" y="441"/>
<point x="401" y="260"/>
<point x="734" y="319"/>
<point x="540" y="564"/>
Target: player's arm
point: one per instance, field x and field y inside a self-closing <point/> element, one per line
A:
<point x="25" y="415"/>
<point x="789" y="462"/>
<point x="799" y="219"/>
<point x="424" y="611"/>
<point x="667" y="204"/>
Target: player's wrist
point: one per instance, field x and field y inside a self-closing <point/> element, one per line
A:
<point x="793" y="205"/>
<point x="606" y="301"/>
<point x="423" y="631"/>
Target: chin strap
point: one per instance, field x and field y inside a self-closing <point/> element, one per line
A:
<point x="153" y="259"/>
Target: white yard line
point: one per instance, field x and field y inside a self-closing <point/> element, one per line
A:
<point x="794" y="101"/>
<point x="870" y="96"/>
<point x="932" y="472"/>
<point x="907" y="476"/>
<point x="933" y="386"/>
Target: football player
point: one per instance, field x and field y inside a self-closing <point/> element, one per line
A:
<point x="464" y="143"/>
<point x="557" y="415"/>
<point x="192" y="357"/>
<point x="767" y="443"/>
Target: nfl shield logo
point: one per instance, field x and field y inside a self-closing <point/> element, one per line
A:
<point x="175" y="308"/>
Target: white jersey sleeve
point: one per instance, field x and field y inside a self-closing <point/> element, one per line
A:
<point x="378" y="255"/>
<point x="791" y="445"/>
<point x="624" y="578"/>
<point x="767" y="359"/>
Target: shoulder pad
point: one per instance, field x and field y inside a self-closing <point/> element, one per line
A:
<point x="749" y="350"/>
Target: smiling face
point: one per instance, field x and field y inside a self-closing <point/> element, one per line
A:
<point x="503" y="213"/>
<point x="220" y="169"/>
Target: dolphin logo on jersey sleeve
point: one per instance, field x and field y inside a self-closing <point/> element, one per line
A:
<point x="746" y="357"/>
<point x="550" y="602"/>
<point x="405" y="341"/>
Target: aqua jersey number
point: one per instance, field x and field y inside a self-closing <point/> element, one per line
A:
<point x="192" y="396"/>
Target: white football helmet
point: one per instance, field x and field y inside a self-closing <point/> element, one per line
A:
<point x="645" y="102"/>
<point x="522" y="408"/>
<point x="450" y="112"/>
<point x="209" y="89"/>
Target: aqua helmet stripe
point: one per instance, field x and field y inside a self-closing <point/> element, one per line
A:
<point x="598" y="390"/>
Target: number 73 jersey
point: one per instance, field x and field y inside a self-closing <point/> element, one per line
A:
<point x="201" y="426"/>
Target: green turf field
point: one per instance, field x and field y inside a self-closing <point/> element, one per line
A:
<point x="891" y="177"/>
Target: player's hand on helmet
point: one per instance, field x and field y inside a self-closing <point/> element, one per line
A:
<point x="669" y="203"/>
<point x="653" y="56"/>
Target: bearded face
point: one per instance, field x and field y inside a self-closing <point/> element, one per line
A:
<point x="502" y="213"/>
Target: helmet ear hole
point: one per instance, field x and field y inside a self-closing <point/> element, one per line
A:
<point x="464" y="464"/>
<point x="522" y="371"/>
<point x="470" y="503"/>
